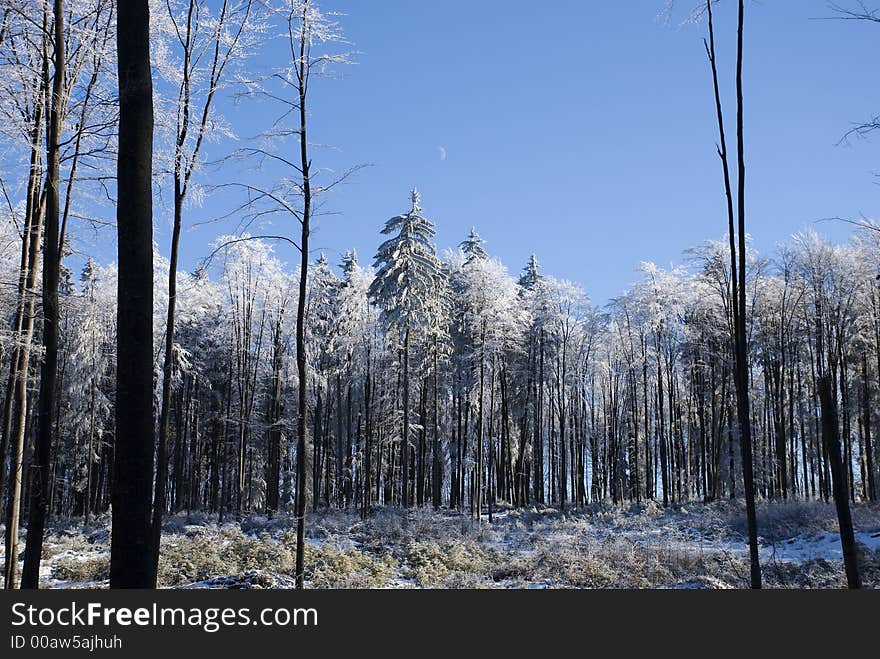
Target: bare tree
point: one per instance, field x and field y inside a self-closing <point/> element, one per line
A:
<point x="738" y="279"/>
<point x="78" y="35"/>
<point x="307" y="28"/>
<point x="222" y="43"/>
<point x="51" y="265"/>
<point x="30" y="57"/>
<point x="860" y="129"/>
<point x="90" y="47"/>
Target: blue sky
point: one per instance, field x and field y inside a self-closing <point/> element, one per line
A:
<point x="582" y="131"/>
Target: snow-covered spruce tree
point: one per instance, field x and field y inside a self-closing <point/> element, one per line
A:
<point x="405" y="283"/>
<point x="530" y="469"/>
<point x="472" y="246"/>
<point x="90" y="362"/>
<point x="531" y="276"/>
<point x="353" y="354"/>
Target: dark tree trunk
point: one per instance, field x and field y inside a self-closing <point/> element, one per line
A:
<point x="742" y="360"/>
<point x="871" y="486"/>
<point x="273" y="470"/>
<point x="131" y="556"/>
<point x="40" y="465"/>
<point x="831" y="440"/>
<point x="738" y="279"/>
<point x="368" y="440"/>
<point x="302" y="399"/>
<point x="404" y="442"/>
<point x="437" y="470"/>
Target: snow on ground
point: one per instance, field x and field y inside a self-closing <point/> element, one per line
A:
<point x="824" y="545"/>
<point x="691" y="546"/>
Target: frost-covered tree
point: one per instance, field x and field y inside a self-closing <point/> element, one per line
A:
<point x="472" y="246"/>
<point x="354" y="347"/>
<point x="253" y="280"/>
<point x="487" y="322"/>
<point x="199" y="51"/>
<point x="407" y="273"/>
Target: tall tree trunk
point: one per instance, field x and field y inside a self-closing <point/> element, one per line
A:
<point x="743" y="357"/>
<point x="871" y="484"/>
<point x="563" y="486"/>
<point x="131" y="556"/>
<point x="539" y="427"/>
<point x="437" y="471"/>
<point x="368" y="439"/>
<point x="18" y="422"/>
<point x="661" y="433"/>
<point x="159" y="502"/>
<point x="273" y="470"/>
<point x="302" y="399"/>
<point x="478" y="467"/>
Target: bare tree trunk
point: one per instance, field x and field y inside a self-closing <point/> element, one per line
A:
<point x="868" y="450"/>
<point x="131" y="556"/>
<point x="742" y="360"/>
<point x="437" y="471"/>
<point x="478" y="467"/>
<point x="49" y="370"/>
<point x="302" y="401"/>
<point x="159" y="502"/>
<point x="273" y="470"/>
<point x="404" y="443"/>
<point x="831" y="439"/>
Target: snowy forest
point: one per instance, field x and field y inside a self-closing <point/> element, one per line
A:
<point x="423" y="415"/>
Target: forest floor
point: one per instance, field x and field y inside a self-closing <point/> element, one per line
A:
<point x="693" y="545"/>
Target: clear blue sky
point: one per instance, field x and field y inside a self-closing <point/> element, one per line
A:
<point x="582" y="131"/>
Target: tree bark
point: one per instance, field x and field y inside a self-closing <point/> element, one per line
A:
<point x="131" y="557"/>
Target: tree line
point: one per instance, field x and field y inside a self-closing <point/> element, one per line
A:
<point x="442" y="380"/>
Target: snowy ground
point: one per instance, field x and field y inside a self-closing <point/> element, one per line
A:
<point x="687" y="546"/>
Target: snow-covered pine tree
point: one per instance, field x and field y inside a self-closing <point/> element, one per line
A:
<point x="353" y="339"/>
<point x="534" y="297"/>
<point x="405" y="283"/>
<point x="472" y="246"/>
<point x="531" y="275"/>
